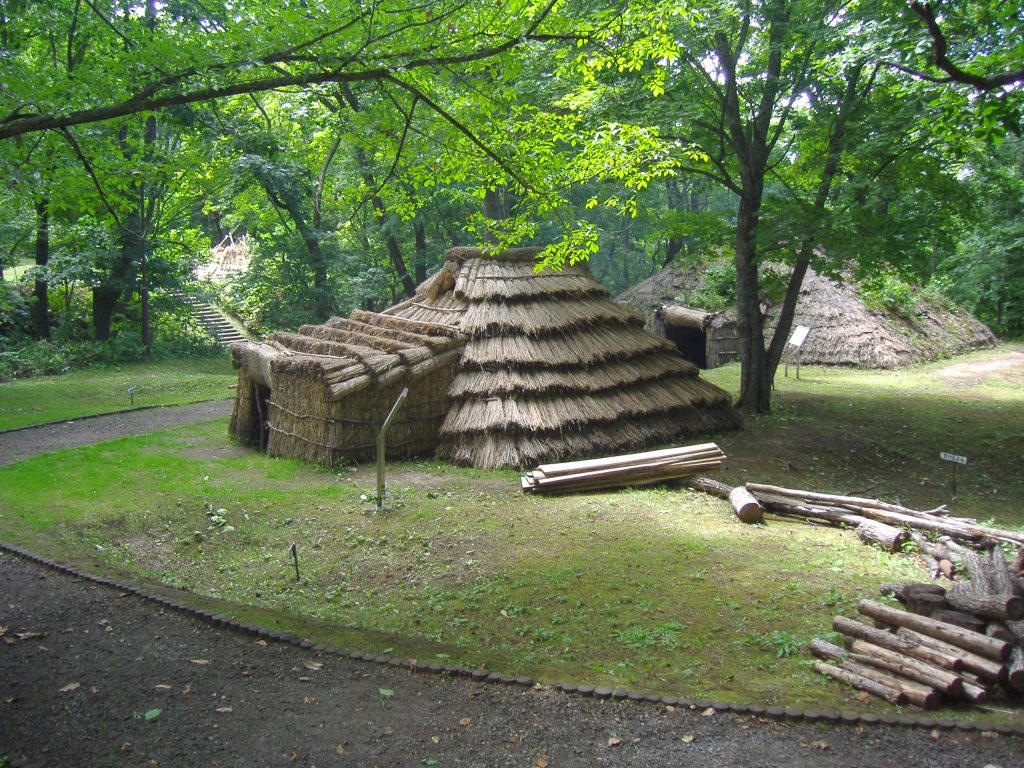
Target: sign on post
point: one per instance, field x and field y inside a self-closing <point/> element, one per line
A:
<point x="799" y="334"/>
<point x="954" y="459"/>
<point x="797" y="340"/>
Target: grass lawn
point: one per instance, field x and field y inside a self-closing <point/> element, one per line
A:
<point x="658" y="589"/>
<point x="45" y="399"/>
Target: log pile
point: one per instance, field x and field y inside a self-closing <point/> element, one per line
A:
<point x="623" y="471"/>
<point x="958" y="641"/>
<point x="963" y="642"/>
<point x="908" y="658"/>
<point x="877" y="522"/>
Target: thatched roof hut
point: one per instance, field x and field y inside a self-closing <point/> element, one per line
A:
<point x="706" y="339"/>
<point x="843" y="330"/>
<point x="506" y="367"/>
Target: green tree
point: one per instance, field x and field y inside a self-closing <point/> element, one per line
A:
<point x="986" y="270"/>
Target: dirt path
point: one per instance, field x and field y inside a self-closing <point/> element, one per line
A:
<point x="20" y="444"/>
<point x="90" y="676"/>
<point x="1008" y="365"/>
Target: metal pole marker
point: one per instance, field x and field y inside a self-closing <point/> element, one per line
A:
<point x="380" y="447"/>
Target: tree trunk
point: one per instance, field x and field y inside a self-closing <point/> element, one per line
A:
<point x="380" y="214"/>
<point x="922" y="696"/>
<point x="904" y="645"/>
<point x="420" y="263"/>
<point x="962" y="638"/>
<point x="747" y="508"/>
<point x="673" y="196"/>
<point x="379" y="209"/>
<point x="145" y="221"/>
<point x="41" y="307"/>
<point x="755" y="373"/>
<point x="975" y="664"/>
<point x="949" y="683"/>
<point x="104" y="302"/>
<point x="888" y="537"/>
<point x="964" y="598"/>
<point x="860" y="682"/>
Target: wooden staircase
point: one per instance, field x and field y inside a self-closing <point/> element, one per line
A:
<point x="216" y="322"/>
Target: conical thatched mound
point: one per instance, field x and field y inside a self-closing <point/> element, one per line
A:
<point x="505" y="368"/>
<point x="843" y="330"/>
<point x="554" y="368"/>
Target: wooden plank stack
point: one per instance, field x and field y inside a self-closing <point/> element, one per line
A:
<point x="623" y="471"/>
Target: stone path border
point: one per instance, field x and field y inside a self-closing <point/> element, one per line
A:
<point x="793" y="714"/>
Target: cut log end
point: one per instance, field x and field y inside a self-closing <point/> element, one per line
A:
<point x="748" y="509"/>
<point x="888" y="537"/>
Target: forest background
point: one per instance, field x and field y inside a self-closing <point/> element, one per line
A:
<point x="351" y="143"/>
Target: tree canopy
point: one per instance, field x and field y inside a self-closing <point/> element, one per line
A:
<point x="353" y="141"/>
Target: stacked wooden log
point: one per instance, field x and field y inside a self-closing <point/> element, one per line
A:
<point x="877" y="522"/>
<point x="909" y="658"/>
<point x="973" y="629"/>
<point x="962" y="641"/>
<point x="622" y="471"/>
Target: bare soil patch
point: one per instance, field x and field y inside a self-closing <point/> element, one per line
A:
<point x="1009" y="366"/>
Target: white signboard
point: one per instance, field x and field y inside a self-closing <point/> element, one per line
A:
<point x="953" y="457"/>
<point x="797" y="339"/>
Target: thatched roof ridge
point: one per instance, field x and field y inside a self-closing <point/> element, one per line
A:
<point x="497" y="449"/>
<point x="536" y="318"/>
<point x="484" y="279"/>
<point x="307" y="344"/>
<point x="352" y="330"/>
<point x="481" y="382"/>
<point x="404" y="324"/>
<point x="445" y="310"/>
<point x="555" y="412"/>
<point x="585" y="347"/>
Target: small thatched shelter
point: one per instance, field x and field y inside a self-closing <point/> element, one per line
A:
<point x="706" y="339"/>
<point x="843" y="331"/>
<point x="506" y="367"/>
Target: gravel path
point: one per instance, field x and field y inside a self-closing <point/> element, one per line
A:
<point x="18" y="444"/>
<point x="95" y="675"/>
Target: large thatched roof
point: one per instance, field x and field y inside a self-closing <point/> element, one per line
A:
<point x="554" y="368"/>
<point x="539" y="366"/>
<point x="843" y="330"/>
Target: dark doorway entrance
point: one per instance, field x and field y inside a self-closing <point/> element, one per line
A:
<point x="691" y="342"/>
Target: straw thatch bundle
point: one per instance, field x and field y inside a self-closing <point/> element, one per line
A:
<point x="505" y="367"/>
<point x="321" y="394"/>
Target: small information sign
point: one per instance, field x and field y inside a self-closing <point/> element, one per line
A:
<point x="799" y="334"/>
<point x="954" y="459"/>
<point x="797" y="340"/>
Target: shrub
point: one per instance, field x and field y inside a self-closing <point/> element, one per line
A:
<point x="884" y="291"/>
